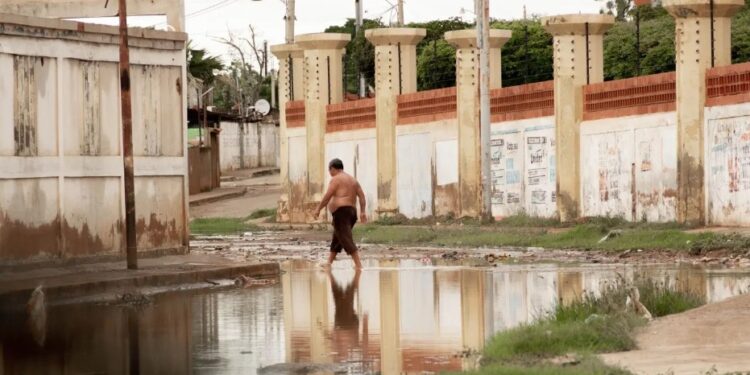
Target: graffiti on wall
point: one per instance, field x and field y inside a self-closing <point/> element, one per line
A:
<point x="729" y="170"/>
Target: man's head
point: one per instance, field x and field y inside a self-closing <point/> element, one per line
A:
<point x="335" y="167"/>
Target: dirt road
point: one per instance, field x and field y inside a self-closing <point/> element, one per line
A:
<point x="262" y="193"/>
<point x="715" y="336"/>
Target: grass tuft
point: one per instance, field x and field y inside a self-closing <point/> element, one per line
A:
<point x="264" y="212"/>
<point x="221" y="226"/>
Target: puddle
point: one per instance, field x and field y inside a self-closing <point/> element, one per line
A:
<point x="395" y="317"/>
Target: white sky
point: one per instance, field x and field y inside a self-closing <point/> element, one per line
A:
<point x="208" y="19"/>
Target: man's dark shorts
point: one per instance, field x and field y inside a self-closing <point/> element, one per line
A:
<point x="344" y="219"/>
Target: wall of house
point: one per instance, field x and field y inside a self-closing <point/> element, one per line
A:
<point x="261" y="148"/>
<point x="61" y="185"/>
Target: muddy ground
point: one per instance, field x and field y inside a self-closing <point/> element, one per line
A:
<point x="275" y="246"/>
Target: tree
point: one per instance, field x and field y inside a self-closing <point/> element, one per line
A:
<point x="436" y="66"/>
<point x="618" y="8"/>
<point x="201" y="65"/>
<point x="741" y="35"/>
<point x="360" y="54"/>
<point x="527" y="56"/>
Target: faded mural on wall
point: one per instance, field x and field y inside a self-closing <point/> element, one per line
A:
<point x="523" y="171"/>
<point x="631" y="173"/>
<point x="728" y="171"/>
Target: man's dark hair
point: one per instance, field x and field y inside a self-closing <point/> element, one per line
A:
<point x="336" y="164"/>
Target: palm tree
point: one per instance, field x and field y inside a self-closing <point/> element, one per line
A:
<point x="201" y="65"/>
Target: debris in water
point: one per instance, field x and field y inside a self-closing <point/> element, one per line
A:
<point x="136" y="299"/>
<point x="37" y="309"/>
<point x="612" y="234"/>
<point x="248" y="282"/>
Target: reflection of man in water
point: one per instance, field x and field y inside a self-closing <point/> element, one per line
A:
<point x="345" y="334"/>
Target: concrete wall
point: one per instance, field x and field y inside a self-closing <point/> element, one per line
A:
<point x="523" y="168"/>
<point x="728" y="164"/>
<point x="61" y="187"/>
<point x="427" y="169"/>
<point x="260" y="145"/>
<point x="629" y="167"/>
<point x="357" y="150"/>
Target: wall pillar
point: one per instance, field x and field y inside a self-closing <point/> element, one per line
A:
<point x="287" y="54"/>
<point x="467" y="97"/>
<point x="395" y="74"/>
<point x="693" y="56"/>
<point x="579" y="60"/>
<point x="322" y="77"/>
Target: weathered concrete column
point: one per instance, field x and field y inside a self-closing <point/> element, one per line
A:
<point x="695" y="52"/>
<point x="467" y="97"/>
<point x="395" y="74"/>
<point x="391" y="361"/>
<point x="288" y="55"/>
<point x="579" y="60"/>
<point x="323" y="86"/>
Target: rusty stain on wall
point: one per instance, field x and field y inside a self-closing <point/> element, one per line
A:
<point x="82" y="241"/>
<point x="22" y="241"/>
<point x="158" y="234"/>
<point x="91" y="142"/>
<point x="25" y="106"/>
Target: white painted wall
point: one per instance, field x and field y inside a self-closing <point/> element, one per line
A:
<point x="523" y="168"/>
<point x="727" y="165"/>
<point x="64" y="84"/>
<point x="614" y="151"/>
<point x="358" y="150"/>
<point x="260" y="142"/>
<point x="414" y="174"/>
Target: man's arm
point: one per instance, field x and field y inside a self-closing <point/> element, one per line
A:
<point x="326" y="198"/>
<point x="362" y="204"/>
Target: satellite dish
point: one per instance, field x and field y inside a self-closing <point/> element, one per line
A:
<point x="263" y="107"/>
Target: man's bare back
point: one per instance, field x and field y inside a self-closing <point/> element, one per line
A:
<point x="345" y="190"/>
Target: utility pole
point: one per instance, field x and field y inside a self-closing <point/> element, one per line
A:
<point x="358" y="30"/>
<point x="265" y="58"/>
<point x="400" y="13"/>
<point x="289" y="19"/>
<point x="483" y="43"/>
<point x="127" y="139"/>
<point x="241" y="113"/>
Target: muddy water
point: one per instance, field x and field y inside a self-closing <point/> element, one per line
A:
<point x="394" y="317"/>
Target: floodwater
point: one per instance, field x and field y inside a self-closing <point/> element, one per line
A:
<point x="394" y="317"/>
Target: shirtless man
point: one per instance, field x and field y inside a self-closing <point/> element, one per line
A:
<point x="341" y="198"/>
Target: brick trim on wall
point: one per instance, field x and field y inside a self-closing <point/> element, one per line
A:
<point x="728" y="85"/>
<point x="427" y="106"/>
<point x="295" y="114"/>
<point x="523" y="102"/>
<point x="628" y="97"/>
<point x="353" y="115"/>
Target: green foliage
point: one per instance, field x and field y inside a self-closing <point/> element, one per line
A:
<point x="589" y="366"/>
<point x="264" y="212"/>
<point x="360" y="54"/>
<point x="201" y="65"/>
<point x="741" y="35"/>
<point x="618" y="8"/>
<point x="436" y="66"/>
<point x="218" y="226"/>
<point x="527" y="56"/>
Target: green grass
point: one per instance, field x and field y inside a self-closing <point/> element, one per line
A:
<point x="264" y="212"/>
<point x="219" y="226"/>
<point x="582" y="236"/>
<point x="592" y="325"/>
<point x="588" y="366"/>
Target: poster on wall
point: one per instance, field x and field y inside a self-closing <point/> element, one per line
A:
<point x="506" y="165"/>
<point x="540" y="171"/>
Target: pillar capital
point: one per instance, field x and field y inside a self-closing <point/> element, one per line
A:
<point x="468" y="38"/>
<point x="322" y="41"/>
<point x="702" y="8"/>
<point x="393" y="36"/>
<point x="576" y="24"/>
<point x="285" y="51"/>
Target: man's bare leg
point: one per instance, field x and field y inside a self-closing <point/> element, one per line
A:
<point x="331" y="257"/>
<point x="355" y="258"/>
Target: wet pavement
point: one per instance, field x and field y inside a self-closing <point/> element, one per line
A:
<point x="396" y="316"/>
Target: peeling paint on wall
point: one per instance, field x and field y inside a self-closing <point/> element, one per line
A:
<point x="728" y="149"/>
<point x="25" y="106"/>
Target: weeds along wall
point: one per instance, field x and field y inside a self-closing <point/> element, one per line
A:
<point x="658" y="148"/>
<point x="61" y="184"/>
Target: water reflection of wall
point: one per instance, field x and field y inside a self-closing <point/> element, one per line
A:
<point x="413" y="318"/>
<point x="102" y="339"/>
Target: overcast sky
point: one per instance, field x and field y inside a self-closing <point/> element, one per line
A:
<point x="208" y="19"/>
